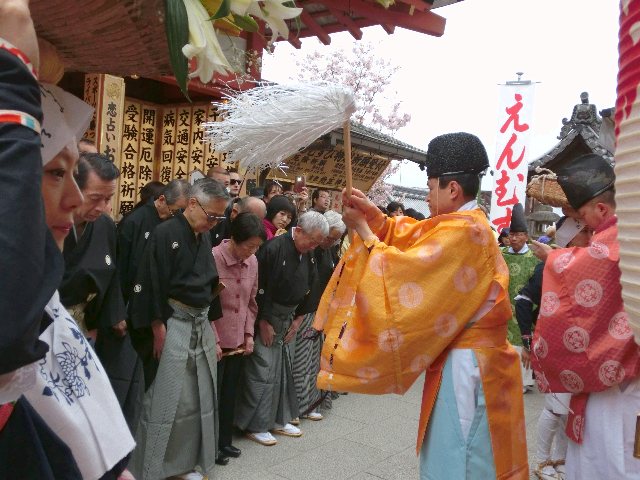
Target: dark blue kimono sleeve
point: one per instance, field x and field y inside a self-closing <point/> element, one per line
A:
<point x="30" y="260"/>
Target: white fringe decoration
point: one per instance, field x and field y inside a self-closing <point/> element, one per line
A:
<point x="265" y="125"/>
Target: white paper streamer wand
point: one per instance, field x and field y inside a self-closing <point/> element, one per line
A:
<point x="264" y="126"/>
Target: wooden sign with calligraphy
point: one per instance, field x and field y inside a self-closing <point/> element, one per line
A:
<point x="130" y="154"/>
<point x="183" y="143"/>
<point x="168" y="139"/>
<point x="196" y="153"/>
<point x="324" y="167"/>
<point x="211" y="157"/>
<point x="92" y="86"/>
<point x="148" y="135"/>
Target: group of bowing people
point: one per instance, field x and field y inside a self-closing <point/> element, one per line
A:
<point x="125" y="344"/>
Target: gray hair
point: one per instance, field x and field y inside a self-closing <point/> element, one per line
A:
<point x="311" y="221"/>
<point x="206" y="189"/>
<point x="335" y="221"/>
<point x="174" y="190"/>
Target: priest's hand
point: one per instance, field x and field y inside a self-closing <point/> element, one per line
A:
<point x="359" y="201"/>
<point x="540" y="250"/>
<point x="159" y="333"/>
<point x="248" y="344"/>
<point x="120" y="328"/>
<point x="293" y="329"/>
<point x="266" y="332"/>
<point x="218" y="352"/>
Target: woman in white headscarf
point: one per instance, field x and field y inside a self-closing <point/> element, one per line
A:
<point x="65" y="403"/>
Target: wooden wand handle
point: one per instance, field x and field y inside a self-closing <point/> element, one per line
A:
<point x="347" y="155"/>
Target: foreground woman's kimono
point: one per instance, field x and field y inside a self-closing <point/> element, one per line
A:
<point x="432" y="295"/>
<point x="73" y="396"/>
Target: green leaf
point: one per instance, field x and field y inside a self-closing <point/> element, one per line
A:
<point x="246" y="23"/>
<point x="177" y="30"/>
<point x="223" y="11"/>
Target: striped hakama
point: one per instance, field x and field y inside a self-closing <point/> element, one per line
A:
<point x="267" y="395"/>
<point x="306" y="366"/>
<point x="178" y="425"/>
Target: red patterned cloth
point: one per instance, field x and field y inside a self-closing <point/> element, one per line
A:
<point x="582" y="341"/>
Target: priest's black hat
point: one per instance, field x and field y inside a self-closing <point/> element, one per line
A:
<point x="456" y="153"/>
<point x="518" y="220"/>
<point x="585" y="178"/>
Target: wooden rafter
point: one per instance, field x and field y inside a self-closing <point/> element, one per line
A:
<point x="388" y="28"/>
<point x="312" y="25"/>
<point x="425" y="22"/>
<point x="346" y="20"/>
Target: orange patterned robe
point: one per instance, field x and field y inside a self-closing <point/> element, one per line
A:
<point x="395" y="311"/>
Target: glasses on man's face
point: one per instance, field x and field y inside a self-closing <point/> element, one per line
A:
<point x="213" y="219"/>
<point x="235" y="181"/>
<point x="517" y="234"/>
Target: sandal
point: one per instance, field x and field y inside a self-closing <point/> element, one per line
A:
<point x="263" y="438"/>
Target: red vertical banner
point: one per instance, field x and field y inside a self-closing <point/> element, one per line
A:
<point x="510" y="165"/>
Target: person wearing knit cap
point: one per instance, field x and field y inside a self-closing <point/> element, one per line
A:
<point x="66" y="422"/>
<point x="521" y="262"/>
<point x="582" y="343"/>
<point x="550" y="428"/>
<point x="432" y="295"/>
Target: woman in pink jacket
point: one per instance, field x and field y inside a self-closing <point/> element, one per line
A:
<point x="238" y="271"/>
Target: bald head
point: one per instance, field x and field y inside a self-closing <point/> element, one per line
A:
<point x="252" y="205"/>
<point x="219" y="174"/>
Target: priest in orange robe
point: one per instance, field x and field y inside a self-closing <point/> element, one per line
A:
<point x="413" y="296"/>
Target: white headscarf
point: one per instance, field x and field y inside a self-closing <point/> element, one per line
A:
<point x="66" y="118"/>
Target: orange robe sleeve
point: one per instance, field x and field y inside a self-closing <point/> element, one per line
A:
<point x="388" y="313"/>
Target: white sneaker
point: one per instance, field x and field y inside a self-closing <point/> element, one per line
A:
<point x="315" y="416"/>
<point x="289" y="430"/>
<point x="264" y="438"/>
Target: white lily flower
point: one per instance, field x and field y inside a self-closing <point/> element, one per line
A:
<point x="273" y="13"/>
<point x="240" y="7"/>
<point x="203" y="44"/>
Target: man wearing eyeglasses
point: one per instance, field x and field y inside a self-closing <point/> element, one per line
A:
<point x="135" y="229"/>
<point x="171" y="303"/>
<point x="522" y="263"/>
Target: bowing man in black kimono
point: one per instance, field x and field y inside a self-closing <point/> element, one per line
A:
<point x="286" y="273"/>
<point x="174" y="290"/>
<point x="90" y="288"/>
<point x="135" y="229"/>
